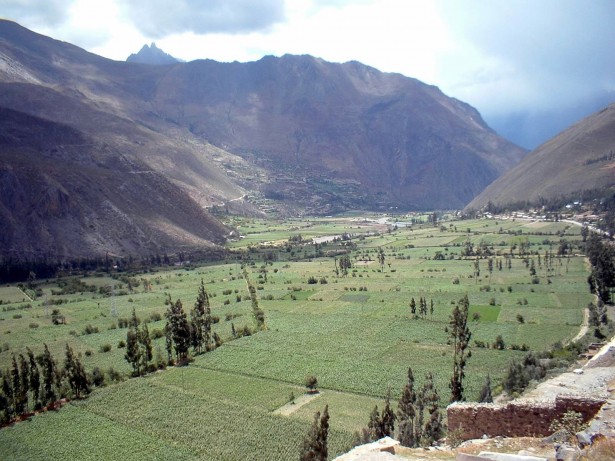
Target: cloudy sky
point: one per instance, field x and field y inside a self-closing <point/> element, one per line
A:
<point x="522" y="63"/>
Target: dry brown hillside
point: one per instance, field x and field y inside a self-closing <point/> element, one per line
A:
<point x="580" y="158"/>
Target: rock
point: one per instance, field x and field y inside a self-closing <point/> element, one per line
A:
<point x="584" y="438"/>
<point x="566" y="453"/>
<point x="508" y="457"/>
<point x="383" y="449"/>
<point x="559" y="436"/>
<point x="467" y="457"/>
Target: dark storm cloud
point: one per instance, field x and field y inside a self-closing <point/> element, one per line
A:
<point x="545" y="64"/>
<point x="159" y="18"/>
<point x="33" y="13"/>
<point x="562" y="47"/>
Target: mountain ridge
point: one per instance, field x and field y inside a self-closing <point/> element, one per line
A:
<point x="580" y="158"/>
<point x="295" y="134"/>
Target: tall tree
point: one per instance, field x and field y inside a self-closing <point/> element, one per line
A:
<point x="133" y="351"/>
<point x="459" y="336"/>
<point x="432" y="430"/>
<point x="490" y="267"/>
<point x="7" y="404"/>
<point x="315" y="444"/>
<point x="388" y="417"/>
<point x="201" y="321"/>
<point x="24" y="368"/>
<point x="180" y="330"/>
<point x="602" y="259"/>
<point x="19" y="394"/>
<point x="50" y="372"/>
<point x="381" y="258"/>
<point x="75" y="373"/>
<point x="35" y="380"/>
<point x="374" y="427"/>
<point x="145" y="344"/>
<point x="406" y="413"/>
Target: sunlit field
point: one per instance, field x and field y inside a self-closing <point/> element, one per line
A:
<point x="355" y="332"/>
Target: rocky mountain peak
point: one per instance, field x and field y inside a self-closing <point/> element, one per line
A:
<point x="151" y="54"/>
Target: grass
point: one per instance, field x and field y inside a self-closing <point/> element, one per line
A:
<point x="355" y="333"/>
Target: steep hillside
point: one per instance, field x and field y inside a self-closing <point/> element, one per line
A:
<point x="66" y="194"/>
<point x="580" y="158"/>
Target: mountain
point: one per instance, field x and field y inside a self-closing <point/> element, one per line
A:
<point x="347" y="134"/>
<point x="152" y="55"/>
<point x="159" y="146"/>
<point x="578" y="159"/>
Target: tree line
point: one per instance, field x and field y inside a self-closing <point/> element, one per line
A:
<point x="36" y="382"/>
<point x="183" y="332"/>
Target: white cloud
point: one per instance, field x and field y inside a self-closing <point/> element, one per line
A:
<point x="160" y="18"/>
<point x="36" y="12"/>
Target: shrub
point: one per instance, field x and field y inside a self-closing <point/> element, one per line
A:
<point x="157" y="333"/>
<point x="520" y="318"/>
<point x="311" y="382"/>
<point x="312" y="280"/>
<point x="114" y="375"/>
<point x="105" y="348"/>
<point x="33" y="325"/>
<point x="155" y="317"/>
<point x="568" y="424"/>
<point x="57" y="318"/>
<point x="121" y="344"/>
<point x="98" y="377"/>
<point x="499" y="343"/>
<point x="89" y="329"/>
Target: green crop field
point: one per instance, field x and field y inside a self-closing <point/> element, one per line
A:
<point x="354" y="332"/>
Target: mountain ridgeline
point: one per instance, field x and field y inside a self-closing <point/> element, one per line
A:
<point x="101" y="156"/>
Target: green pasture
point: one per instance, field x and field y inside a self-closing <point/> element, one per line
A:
<point x="356" y="334"/>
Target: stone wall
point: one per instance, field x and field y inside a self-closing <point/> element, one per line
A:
<point x="515" y="419"/>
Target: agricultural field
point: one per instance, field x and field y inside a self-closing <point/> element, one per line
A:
<point x="355" y="332"/>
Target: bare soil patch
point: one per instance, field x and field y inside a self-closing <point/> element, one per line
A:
<point x="290" y="408"/>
